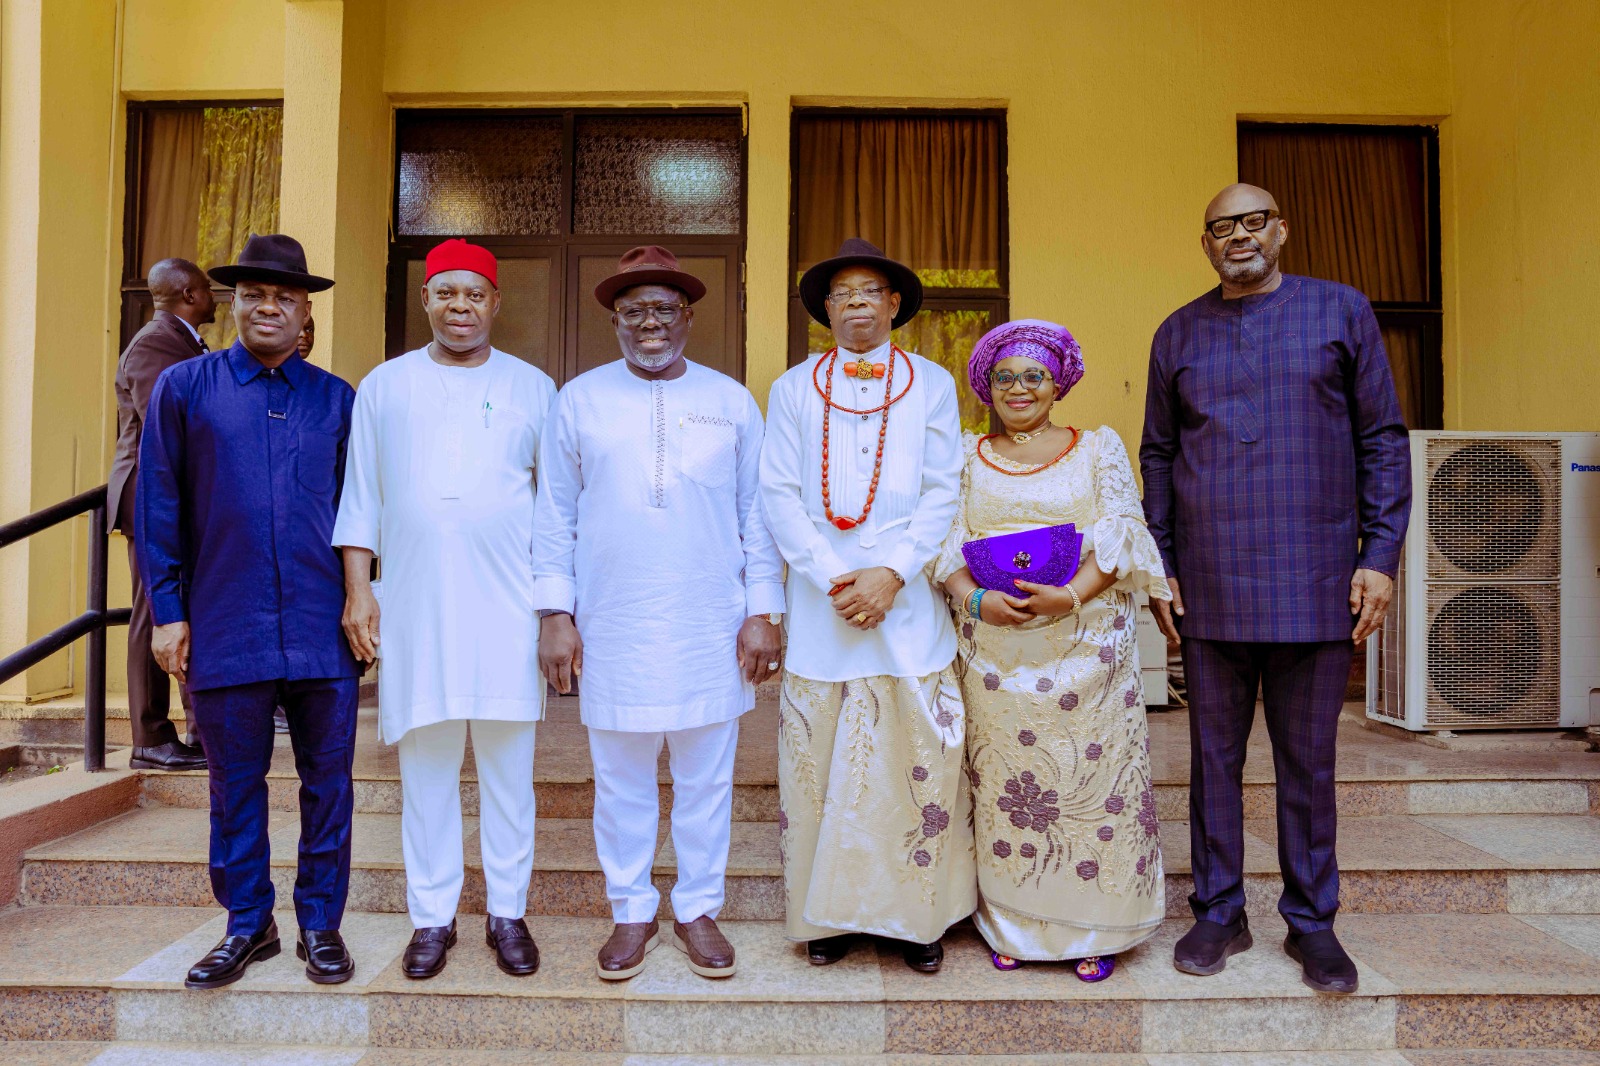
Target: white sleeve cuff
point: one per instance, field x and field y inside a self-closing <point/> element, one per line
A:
<point x="553" y="593"/>
<point x="763" y="598"/>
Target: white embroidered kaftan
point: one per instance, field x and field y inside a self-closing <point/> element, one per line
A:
<point x="439" y="483"/>
<point x="649" y="530"/>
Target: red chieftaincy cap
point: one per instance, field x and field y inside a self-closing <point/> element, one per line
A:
<point x="457" y="254"/>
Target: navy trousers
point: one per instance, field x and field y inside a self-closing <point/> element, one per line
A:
<point x="236" y="731"/>
<point x="1302" y="688"/>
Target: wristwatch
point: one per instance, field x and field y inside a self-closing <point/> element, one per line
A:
<point x="775" y="618"/>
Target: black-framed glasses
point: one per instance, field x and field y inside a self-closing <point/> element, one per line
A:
<point x="1031" y="379"/>
<point x="1253" y="222"/>
<point x="872" y="295"/>
<point x="666" y="314"/>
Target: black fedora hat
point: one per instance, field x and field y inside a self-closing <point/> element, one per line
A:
<point x="271" y="257"/>
<point x="857" y="252"/>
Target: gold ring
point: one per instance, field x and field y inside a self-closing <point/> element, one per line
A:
<point x="862" y="617"/>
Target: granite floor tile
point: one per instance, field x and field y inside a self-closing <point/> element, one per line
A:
<point x="94" y="882"/>
<point x="486" y="1022"/>
<point x="1304" y="1024"/>
<point x="770" y="968"/>
<point x="1499" y="1021"/>
<point x="1552" y="892"/>
<point x="1452" y="1057"/>
<point x="233" y="1055"/>
<point x="721" y="1027"/>
<point x="1264" y="972"/>
<point x="1423" y="891"/>
<point x="1282" y="1058"/>
<point x="242" y="1016"/>
<point x="1260" y="856"/>
<point x="86" y="945"/>
<point x="1581" y="931"/>
<point x="56" y="1014"/>
<point x="567" y="949"/>
<point x="1010" y="1028"/>
<point x="508" y="1057"/>
<point x="1468" y="953"/>
<point x="1528" y="841"/>
<point x="374" y="941"/>
<point x="1497" y="797"/>
<point x="152" y="834"/>
<point x="968" y="975"/>
<point x="50" y="1052"/>
<point x="1392" y="842"/>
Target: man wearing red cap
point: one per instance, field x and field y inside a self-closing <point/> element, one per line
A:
<point x="440" y="486"/>
<point x="661" y="584"/>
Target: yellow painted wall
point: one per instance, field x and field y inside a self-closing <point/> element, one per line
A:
<point x="1524" y="282"/>
<point x="177" y="49"/>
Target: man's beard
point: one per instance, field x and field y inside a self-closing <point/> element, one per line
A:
<point x="1247" y="271"/>
<point x="660" y="361"/>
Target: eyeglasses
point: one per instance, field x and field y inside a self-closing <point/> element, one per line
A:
<point x="1031" y="379"/>
<point x="873" y="295"/>
<point x="666" y="314"/>
<point x="1254" y="221"/>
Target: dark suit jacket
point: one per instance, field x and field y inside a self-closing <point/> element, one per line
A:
<point x="164" y="341"/>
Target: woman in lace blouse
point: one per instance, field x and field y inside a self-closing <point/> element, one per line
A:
<point x="1069" y="861"/>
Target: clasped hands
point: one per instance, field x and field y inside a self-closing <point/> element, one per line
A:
<point x="561" y="650"/>
<point x="1003" y="609"/>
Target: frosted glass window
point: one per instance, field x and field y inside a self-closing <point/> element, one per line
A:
<point x="658" y="174"/>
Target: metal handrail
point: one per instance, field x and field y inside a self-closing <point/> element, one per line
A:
<point x="91" y="623"/>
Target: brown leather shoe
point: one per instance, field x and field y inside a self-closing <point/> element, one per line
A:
<point x="623" y="954"/>
<point x="710" y="954"/>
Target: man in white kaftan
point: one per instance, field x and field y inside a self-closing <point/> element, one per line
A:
<point x="662" y="588"/>
<point x="874" y="824"/>
<point x="439" y="484"/>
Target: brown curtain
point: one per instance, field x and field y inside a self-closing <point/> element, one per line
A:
<point x="242" y="159"/>
<point x="1405" y="347"/>
<point x="924" y="189"/>
<point x="170" y="193"/>
<point x="1356" y="204"/>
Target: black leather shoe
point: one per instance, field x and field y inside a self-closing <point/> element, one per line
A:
<point x="1204" y="949"/>
<point x="830" y="949"/>
<point x="228" y="961"/>
<point x="1324" y="964"/>
<point x="428" y="951"/>
<point x="173" y="755"/>
<point x="925" y="958"/>
<point x="327" y="960"/>
<point x="514" y="949"/>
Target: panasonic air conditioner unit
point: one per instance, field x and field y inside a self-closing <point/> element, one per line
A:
<point x="1495" y="622"/>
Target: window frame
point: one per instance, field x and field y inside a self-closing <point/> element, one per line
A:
<point x="134" y="289"/>
<point x="1427" y="315"/>
<point x="997" y="302"/>
<point x="564" y="247"/>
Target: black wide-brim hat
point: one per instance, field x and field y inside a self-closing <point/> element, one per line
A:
<point x="273" y="257"/>
<point x="814" y="283"/>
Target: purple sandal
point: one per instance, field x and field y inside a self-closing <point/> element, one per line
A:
<point x="1004" y="962"/>
<point x="1095" y="968"/>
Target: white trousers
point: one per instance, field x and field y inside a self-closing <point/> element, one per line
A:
<point x="627" y="813"/>
<point x="430" y="817"/>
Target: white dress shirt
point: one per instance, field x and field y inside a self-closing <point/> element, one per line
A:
<point x="438" y="482"/>
<point x="648" y="528"/>
<point x="911" y="512"/>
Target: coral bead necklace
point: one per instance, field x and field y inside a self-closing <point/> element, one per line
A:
<point x="828" y="407"/>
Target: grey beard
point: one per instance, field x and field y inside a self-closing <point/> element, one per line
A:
<point x="655" y="362"/>
<point x="1248" y="272"/>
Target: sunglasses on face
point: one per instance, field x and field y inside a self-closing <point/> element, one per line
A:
<point x="1253" y="221"/>
<point x="1031" y="379"/>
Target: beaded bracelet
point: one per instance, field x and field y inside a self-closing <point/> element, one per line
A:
<point x="1077" y="601"/>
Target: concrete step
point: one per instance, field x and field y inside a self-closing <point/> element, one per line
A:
<point x="137" y="1053"/>
<point x="1427" y="982"/>
<point x="1486" y="864"/>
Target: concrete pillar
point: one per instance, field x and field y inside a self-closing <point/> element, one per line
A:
<point x="337" y="152"/>
<point x="58" y="103"/>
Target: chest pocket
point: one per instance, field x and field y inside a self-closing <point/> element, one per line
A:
<point x="316" y="459"/>
<point x="710" y="450"/>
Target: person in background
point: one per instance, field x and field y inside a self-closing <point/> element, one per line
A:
<point x="183" y="303"/>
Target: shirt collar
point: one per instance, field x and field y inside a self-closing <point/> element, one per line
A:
<point x="192" y="331"/>
<point x="247" y="368"/>
<point x="1244" y="305"/>
<point x="880" y="354"/>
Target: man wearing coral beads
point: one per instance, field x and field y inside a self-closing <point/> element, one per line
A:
<point x="440" y="488"/>
<point x="859" y="479"/>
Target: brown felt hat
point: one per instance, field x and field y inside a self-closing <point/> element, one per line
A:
<point x="649" y="264"/>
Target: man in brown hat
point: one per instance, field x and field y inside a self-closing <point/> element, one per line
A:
<point x="859" y="479"/>
<point x="239" y="477"/>
<point x="183" y="302"/>
<point x="662" y="588"/>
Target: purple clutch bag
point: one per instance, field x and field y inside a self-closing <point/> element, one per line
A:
<point x="1045" y="556"/>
